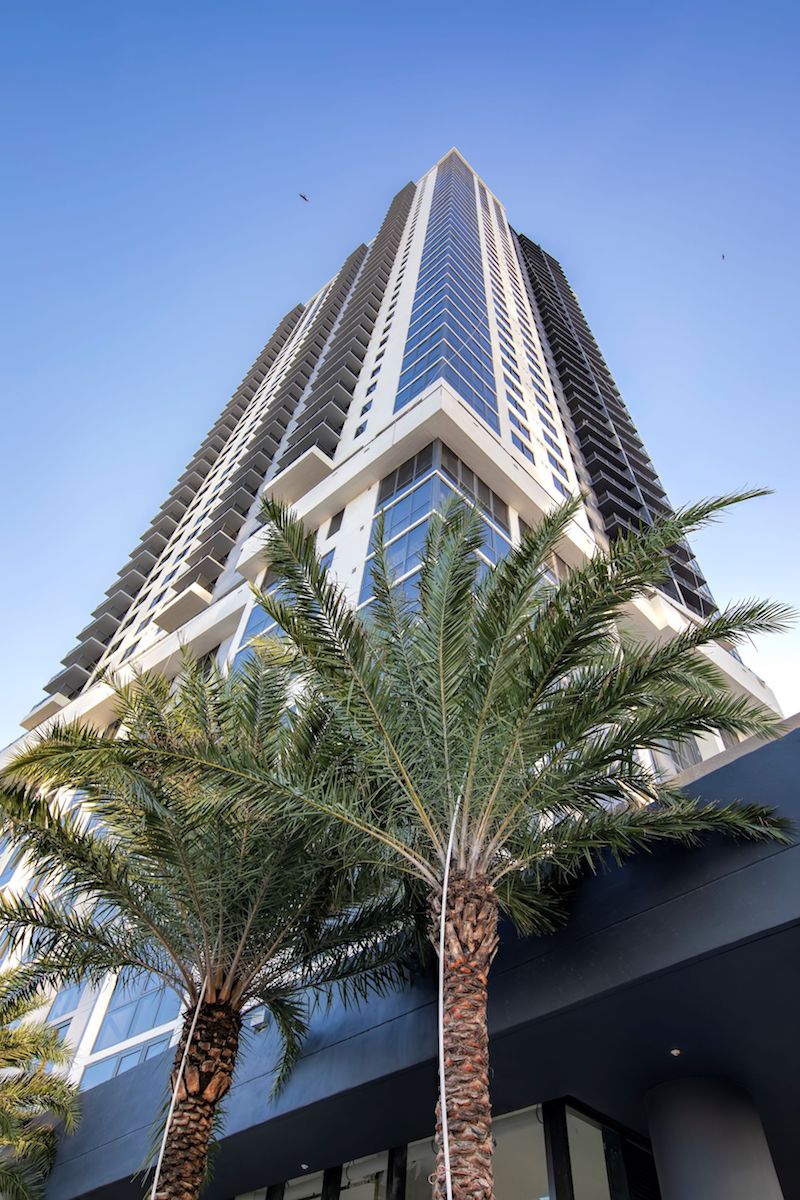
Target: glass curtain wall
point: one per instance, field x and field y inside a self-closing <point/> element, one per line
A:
<point x="410" y="495"/>
<point x="448" y="336"/>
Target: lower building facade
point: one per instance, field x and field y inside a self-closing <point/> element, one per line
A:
<point x="648" y="1050"/>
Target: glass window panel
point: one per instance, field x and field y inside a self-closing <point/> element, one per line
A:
<point x="98" y="1072"/>
<point x="153" y="1049"/>
<point x="420" y="1166"/>
<point x="169" y="1007"/>
<point x="128" y="990"/>
<point x="587" y="1158"/>
<point x="256" y="622"/>
<point x="304" y="1187"/>
<point x="365" y="1179"/>
<point x="520" y="1165"/>
<point x="131" y="1058"/>
<point x="144" y="1015"/>
<point x="114" y="1028"/>
<point x="241" y="659"/>
<point x="66" y="1001"/>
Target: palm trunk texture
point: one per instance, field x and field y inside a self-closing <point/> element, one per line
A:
<point x="206" y="1078"/>
<point x="470" y="946"/>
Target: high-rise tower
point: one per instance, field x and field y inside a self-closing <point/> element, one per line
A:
<point x="448" y="356"/>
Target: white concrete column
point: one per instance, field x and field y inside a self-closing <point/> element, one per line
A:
<point x="709" y="1143"/>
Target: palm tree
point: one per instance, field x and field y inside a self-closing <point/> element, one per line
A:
<point x="184" y="882"/>
<point x="498" y="732"/>
<point x="33" y="1098"/>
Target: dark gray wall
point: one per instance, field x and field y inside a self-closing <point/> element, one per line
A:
<point x="709" y="1143"/>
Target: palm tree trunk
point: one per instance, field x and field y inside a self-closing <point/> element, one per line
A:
<point x="205" y="1080"/>
<point x="470" y="946"/>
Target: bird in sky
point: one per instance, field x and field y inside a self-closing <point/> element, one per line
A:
<point x="723" y="258"/>
<point x="303" y="196"/>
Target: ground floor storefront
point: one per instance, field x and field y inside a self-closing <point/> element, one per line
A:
<point x="709" y="1140"/>
<point x="553" y="1151"/>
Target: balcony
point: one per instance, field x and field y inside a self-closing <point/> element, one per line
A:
<point x="44" y="710"/>
<point x="86" y="653"/>
<point x="68" y="682"/>
<point x="187" y="604"/>
<point x="118" y="602"/>
<point x="102" y="628"/>
<point x="613" y="507"/>
<point x="321" y="436"/>
<point x="191" y="594"/>
<point x="216" y="547"/>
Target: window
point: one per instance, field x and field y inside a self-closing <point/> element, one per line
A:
<point x="557" y="465"/>
<point x="66" y="1001"/>
<point x="560" y="486"/>
<point x="474" y="487"/>
<point x="360" y="429"/>
<point x="115" y="1064"/>
<point x="135" y="1008"/>
<point x="520" y="1160"/>
<point x="685" y="753"/>
<point x="551" y="443"/>
<point x="365" y="408"/>
<point x="587" y="1154"/>
<point x="335" y="523"/>
<point x="514" y="402"/>
<point x="399" y="480"/>
<point x="371" y="388"/>
<point x="515" y="421"/>
<point x="421" y="486"/>
<point x="259" y="624"/>
<point x="526" y="450"/>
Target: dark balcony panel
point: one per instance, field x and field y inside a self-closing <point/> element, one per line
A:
<point x="624" y="483"/>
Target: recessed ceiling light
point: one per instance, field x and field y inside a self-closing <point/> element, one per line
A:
<point x="304" y="1166"/>
<point x="675" y="1052"/>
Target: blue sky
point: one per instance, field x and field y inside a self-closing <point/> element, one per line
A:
<point x="152" y="236"/>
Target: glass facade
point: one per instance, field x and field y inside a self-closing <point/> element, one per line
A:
<point x="448" y="337"/>
<point x="551" y="1151"/>
<point x="137" y="1008"/>
<point x="412" y="493"/>
<point x="258" y="624"/>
